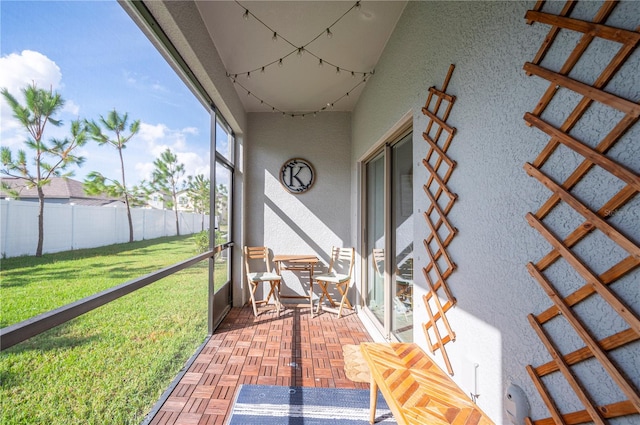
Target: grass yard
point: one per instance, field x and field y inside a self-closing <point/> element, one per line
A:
<point x="110" y="365"/>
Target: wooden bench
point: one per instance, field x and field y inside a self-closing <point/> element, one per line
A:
<point x="416" y="389"/>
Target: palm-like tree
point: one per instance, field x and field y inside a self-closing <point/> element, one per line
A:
<point x="167" y="178"/>
<point x="117" y="125"/>
<point x="39" y="109"/>
<point x="199" y="192"/>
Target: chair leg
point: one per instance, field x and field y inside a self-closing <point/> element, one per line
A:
<point x="344" y="299"/>
<point x="276" y="295"/>
<point x="320" y="298"/>
<point x="252" y="291"/>
<point x="323" y="295"/>
<point x="311" y="298"/>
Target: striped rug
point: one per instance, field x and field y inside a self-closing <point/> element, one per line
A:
<point x="274" y="405"/>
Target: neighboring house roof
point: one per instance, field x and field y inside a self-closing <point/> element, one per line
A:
<point x="59" y="188"/>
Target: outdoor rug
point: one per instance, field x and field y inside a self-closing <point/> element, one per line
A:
<point x="274" y="405"/>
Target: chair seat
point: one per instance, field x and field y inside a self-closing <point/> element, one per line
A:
<point x="263" y="276"/>
<point x="332" y="277"/>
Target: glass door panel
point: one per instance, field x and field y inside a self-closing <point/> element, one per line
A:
<point x="222" y="192"/>
<point x="375" y="237"/>
<point x="402" y="228"/>
<point x="221" y="225"/>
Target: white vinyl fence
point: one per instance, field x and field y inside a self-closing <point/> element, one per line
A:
<point x="68" y="227"/>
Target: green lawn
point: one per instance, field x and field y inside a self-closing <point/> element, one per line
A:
<point x="110" y="365"/>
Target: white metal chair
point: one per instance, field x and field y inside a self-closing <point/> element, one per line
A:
<point x="342" y="259"/>
<point x="258" y="269"/>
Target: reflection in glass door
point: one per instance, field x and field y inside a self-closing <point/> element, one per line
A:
<point x="389" y="238"/>
<point x="402" y="228"/>
<point x="375" y="237"/>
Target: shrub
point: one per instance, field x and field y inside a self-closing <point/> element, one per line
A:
<point x="202" y="241"/>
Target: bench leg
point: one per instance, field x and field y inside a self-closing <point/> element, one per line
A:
<point x="373" y="400"/>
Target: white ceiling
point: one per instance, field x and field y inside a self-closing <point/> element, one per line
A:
<point x="300" y="86"/>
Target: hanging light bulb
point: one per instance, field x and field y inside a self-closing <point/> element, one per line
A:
<point x="248" y="93"/>
<point x="249" y="75"/>
<point x="337" y="70"/>
<point x="245" y="15"/>
<point x="300" y="51"/>
<point x="329" y="33"/>
<point x="353" y="74"/>
<point x="280" y="63"/>
<point x="275" y="36"/>
<point x="262" y="70"/>
<point x="320" y="63"/>
<point x="358" y="5"/>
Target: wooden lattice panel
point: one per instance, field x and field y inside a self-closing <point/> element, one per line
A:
<point x="595" y="221"/>
<point x="438" y="136"/>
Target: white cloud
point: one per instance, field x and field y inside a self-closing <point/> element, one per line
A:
<point x="18" y="71"/>
<point x="152" y="133"/>
<point x="144" y="170"/>
<point x="158" y="138"/>
<point x="28" y="67"/>
<point x="71" y="108"/>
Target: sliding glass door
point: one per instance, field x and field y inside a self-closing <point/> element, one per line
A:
<point x="222" y="191"/>
<point x="389" y="238"/>
<point x="375" y="237"/>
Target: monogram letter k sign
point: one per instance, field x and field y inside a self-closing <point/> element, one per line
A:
<point x="297" y="175"/>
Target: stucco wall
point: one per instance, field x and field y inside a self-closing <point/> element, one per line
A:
<point x="489" y="42"/>
<point x="310" y="222"/>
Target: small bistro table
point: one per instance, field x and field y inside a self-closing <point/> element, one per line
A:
<point x="297" y="262"/>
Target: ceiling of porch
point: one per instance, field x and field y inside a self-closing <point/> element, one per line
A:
<point x="243" y="33"/>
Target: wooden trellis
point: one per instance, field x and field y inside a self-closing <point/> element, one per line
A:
<point x="595" y="220"/>
<point x="438" y="136"/>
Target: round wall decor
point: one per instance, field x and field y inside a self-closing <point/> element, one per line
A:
<point x="297" y="175"/>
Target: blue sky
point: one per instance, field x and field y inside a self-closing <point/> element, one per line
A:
<point x="96" y="57"/>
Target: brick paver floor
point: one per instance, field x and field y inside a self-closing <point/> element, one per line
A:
<point x="290" y="350"/>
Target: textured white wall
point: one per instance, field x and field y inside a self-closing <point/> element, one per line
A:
<point x="489" y="43"/>
<point x="307" y="223"/>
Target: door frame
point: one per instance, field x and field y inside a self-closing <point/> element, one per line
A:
<point x="395" y="134"/>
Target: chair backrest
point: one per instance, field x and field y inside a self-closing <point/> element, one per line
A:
<point x="252" y="253"/>
<point x="342" y="259"/>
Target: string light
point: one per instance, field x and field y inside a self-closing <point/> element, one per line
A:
<point x="300" y="50"/>
<point x="329" y="105"/>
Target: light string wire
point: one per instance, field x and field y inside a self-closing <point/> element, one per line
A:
<point x="299" y="50"/>
<point x="329" y="105"/>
